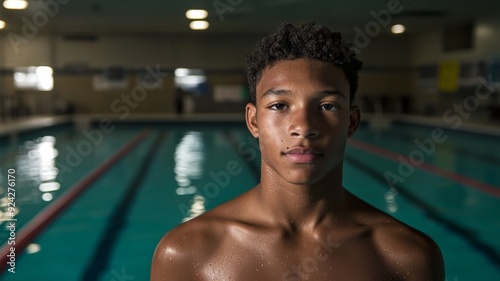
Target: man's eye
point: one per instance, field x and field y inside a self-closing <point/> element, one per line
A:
<point x="329" y="106"/>
<point x="278" y="106"/>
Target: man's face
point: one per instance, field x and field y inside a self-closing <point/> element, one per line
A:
<point x="302" y="117"/>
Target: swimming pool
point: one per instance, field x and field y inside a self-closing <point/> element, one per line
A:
<point x="129" y="183"/>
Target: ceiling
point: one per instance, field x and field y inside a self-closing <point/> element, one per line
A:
<point x="234" y="16"/>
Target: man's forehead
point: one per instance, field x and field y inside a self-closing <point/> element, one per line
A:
<point x="292" y="72"/>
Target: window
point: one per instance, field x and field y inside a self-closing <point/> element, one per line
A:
<point x="37" y="78"/>
<point x="191" y="80"/>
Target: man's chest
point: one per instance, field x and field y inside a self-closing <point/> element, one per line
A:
<point x="322" y="260"/>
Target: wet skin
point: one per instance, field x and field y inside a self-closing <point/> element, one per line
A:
<point x="298" y="223"/>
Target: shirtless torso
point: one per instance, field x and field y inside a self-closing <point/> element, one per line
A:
<point x="362" y="245"/>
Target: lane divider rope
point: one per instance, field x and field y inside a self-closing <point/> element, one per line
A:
<point x="485" y="187"/>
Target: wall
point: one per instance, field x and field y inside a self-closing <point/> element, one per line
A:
<point x="223" y="56"/>
<point x="385" y="80"/>
<point x="215" y="53"/>
<point x="426" y="49"/>
<point x="426" y="46"/>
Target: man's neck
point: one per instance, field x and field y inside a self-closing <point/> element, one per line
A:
<point x="301" y="207"/>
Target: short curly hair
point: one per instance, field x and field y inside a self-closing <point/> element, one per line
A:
<point x="308" y="40"/>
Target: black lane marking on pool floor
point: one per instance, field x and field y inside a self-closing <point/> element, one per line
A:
<point x="252" y="164"/>
<point x="461" y="231"/>
<point x="117" y="221"/>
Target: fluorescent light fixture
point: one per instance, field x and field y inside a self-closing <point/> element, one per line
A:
<point x="196" y="14"/>
<point x="198" y="25"/>
<point x="15" y="4"/>
<point x="2" y="24"/>
<point x="398" y="28"/>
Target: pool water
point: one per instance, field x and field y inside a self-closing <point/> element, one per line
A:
<point x="176" y="171"/>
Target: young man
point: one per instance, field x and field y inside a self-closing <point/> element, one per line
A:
<point x="299" y="223"/>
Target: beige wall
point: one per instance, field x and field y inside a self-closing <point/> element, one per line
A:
<point x="385" y="67"/>
<point x="426" y="46"/>
<point x="78" y="91"/>
<point x="169" y="51"/>
<point x="388" y="62"/>
<point x="221" y="52"/>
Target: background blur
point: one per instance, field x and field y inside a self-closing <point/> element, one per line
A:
<point x="99" y="50"/>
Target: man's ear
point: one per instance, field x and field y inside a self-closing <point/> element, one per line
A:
<point x="354" y="120"/>
<point x="251" y="119"/>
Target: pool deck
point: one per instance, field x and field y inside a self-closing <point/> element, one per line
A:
<point x="36" y="122"/>
<point x="13" y="127"/>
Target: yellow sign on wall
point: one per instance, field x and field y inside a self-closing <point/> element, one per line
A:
<point x="449" y="72"/>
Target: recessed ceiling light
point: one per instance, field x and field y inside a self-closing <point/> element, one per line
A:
<point x="199" y="25"/>
<point x="398" y="28"/>
<point x="196" y="14"/>
<point x="2" y="24"/>
<point x="15" y="4"/>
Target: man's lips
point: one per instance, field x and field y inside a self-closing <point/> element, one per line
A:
<point x="303" y="154"/>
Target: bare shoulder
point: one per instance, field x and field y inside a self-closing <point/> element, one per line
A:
<point x="181" y="252"/>
<point x="181" y="248"/>
<point x="409" y="253"/>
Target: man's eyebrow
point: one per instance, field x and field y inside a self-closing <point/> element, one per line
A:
<point x="331" y="93"/>
<point x="273" y="91"/>
<point x="282" y="92"/>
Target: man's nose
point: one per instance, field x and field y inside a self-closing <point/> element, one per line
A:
<point x="303" y="124"/>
